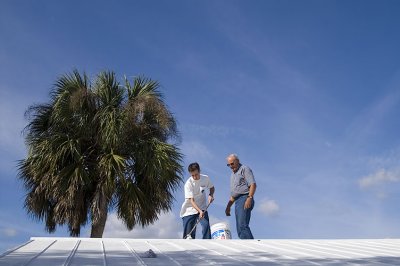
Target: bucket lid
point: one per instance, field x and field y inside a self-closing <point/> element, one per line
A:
<point x="223" y="225"/>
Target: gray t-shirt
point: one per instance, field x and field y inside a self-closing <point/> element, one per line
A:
<point x="241" y="181"/>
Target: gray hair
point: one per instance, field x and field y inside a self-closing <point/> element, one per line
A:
<point x="233" y="155"/>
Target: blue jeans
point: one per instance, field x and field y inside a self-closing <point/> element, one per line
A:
<point x="243" y="217"/>
<point x="190" y="221"/>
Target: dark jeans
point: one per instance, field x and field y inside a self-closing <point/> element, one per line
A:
<point x="243" y="217"/>
<point x="190" y="221"/>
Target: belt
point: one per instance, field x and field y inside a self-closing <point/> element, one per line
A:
<point x="241" y="195"/>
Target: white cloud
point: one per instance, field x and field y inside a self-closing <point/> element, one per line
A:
<point x="388" y="159"/>
<point x="167" y="226"/>
<point x="268" y="207"/>
<point x="8" y="232"/>
<point x="371" y="120"/>
<point x="12" y="111"/>
<point x="195" y="150"/>
<point x="379" y="177"/>
<point x="11" y="139"/>
<point x="328" y="144"/>
<point x="214" y="130"/>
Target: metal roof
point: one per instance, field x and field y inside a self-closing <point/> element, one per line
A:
<point x="113" y="251"/>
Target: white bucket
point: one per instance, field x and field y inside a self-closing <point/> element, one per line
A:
<point x="220" y="231"/>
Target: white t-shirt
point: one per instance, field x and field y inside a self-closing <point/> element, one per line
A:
<point x="195" y="189"/>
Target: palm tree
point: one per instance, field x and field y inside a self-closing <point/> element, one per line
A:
<point x="100" y="146"/>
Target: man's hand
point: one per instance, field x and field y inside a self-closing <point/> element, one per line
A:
<point x="228" y="206"/>
<point x="201" y="215"/>
<point x="247" y="203"/>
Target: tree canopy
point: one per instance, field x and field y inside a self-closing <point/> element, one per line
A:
<point x="100" y="146"/>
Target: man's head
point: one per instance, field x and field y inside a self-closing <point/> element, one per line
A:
<point x="233" y="162"/>
<point x="194" y="170"/>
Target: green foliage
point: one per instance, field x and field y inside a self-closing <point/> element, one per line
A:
<point x="100" y="146"/>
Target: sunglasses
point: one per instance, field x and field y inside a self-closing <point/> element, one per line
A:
<point x="230" y="164"/>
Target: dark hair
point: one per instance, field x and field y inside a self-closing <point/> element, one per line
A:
<point x="193" y="167"/>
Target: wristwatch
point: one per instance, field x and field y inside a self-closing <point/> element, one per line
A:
<point x="250" y="197"/>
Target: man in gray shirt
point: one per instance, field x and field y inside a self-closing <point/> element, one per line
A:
<point x="243" y="187"/>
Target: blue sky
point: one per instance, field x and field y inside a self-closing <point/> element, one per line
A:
<point x="307" y="93"/>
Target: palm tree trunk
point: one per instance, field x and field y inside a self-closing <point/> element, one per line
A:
<point x="99" y="223"/>
<point x="98" y="226"/>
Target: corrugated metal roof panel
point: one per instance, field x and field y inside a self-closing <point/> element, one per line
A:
<point x="86" y="251"/>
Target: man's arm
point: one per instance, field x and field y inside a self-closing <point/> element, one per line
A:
<point x="252" y="191"/>
<point x="201" y="214"/>
<point x="211" y="196"/>
<point x="228" y="206"/>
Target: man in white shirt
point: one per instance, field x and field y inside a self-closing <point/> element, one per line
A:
<point x="195" y="204"/>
